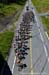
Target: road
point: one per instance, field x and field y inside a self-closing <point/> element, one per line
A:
<point x="12" y="58"/>
<point x="37" y="59"/>
<point x="40" y="47"/>
<point x="43" y="14"/>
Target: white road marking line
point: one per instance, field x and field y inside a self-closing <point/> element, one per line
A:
<point x="47" y="35"/>
<point x="42" y="38"/>
<point x="48" y="59"/>
<point x="45" y="51"/>
<point x="43" y="44"/>
<point x="13" y="64"/>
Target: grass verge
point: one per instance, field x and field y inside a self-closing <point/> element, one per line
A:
<point x="8" y="10"/>
<point x="6" y="37"/>
<point x="46" y="23"/>
<point x="5" y="42"/>
<point x="43" y="6"/>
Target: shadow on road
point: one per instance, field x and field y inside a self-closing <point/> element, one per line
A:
<point x="4" y="68"/>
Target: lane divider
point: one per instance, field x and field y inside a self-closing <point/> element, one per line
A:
<point x="31" y="65"/>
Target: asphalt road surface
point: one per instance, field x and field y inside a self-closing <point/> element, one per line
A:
<point x="40" y="48"/>
<point x="37" y="59"/>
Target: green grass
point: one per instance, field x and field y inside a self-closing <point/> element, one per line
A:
<point x="43" y="6"/>
<point x="6" y="37"/>
<point x="45" y="23"/>
<point x="8" y="10"/>
<point x="5" y="42"/>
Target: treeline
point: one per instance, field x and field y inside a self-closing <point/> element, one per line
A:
<point x="7" y="1"/>
<point x="12" y="1"/>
